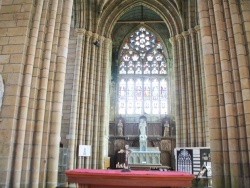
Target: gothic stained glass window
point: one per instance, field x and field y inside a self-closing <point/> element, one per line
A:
<point x="142" y="75"/>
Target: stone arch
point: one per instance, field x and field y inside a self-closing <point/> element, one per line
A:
<point x="112" y="13"/>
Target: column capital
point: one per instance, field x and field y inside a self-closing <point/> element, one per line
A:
<point x="107" y="41"/>
<point x="179" y="37"/>
<point x="172" y="40"/>
<point x="95" y="36"/>
<point x="88" y="34"/>
<point x="185" y="34"/>
<point x="80" y="31"/>
<point x="191" y="30"/>
<point x="197" y="28"/>
<point x="101" y="38"/>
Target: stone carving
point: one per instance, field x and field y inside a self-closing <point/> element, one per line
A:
<point x="165" y="145"/>
<point x="143" y="133"/>
<point x="166" y="129"/>
<point x="146" y="158"/>
<point x="1" y="91"/>
<point x="142" y="128"/>
<point x="120" y="128"/>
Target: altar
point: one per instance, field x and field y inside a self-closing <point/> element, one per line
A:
<point x="152" y="156"/>
<point x="99" y="178"/>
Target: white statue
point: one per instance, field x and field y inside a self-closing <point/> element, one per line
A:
<point x="120" y="128"/>
<point x="142" y="128"/>
<point x="1" y="91"/>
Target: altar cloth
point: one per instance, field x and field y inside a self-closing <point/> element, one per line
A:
<point x="107" y="178"/>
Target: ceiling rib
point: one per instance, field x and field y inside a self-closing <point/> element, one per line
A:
<point x="139" y="21"/>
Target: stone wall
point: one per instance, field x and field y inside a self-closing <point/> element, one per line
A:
<point x="33" y="51"/>
<point x="15" y="20"/>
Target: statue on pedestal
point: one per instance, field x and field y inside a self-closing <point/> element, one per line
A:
<point x="166" y="129"/>
<point x="142" y="128"/>
<point x="143" y="133"/>
<point x="120" y="128"/>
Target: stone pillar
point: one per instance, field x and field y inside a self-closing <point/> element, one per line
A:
<point x="24" y="99"/>
<point x="191" y="124"/>
<point x="239" y="31"/>
<point x="197" y="88"/>
<point x="207" y="27"/>
<point x="90" y="102"/>
<point x="56" y="112"/>
<point x="177" y="89"/>
<point x="83" y="100"/>
<point x="232" y="169"/>
<point x="183" y="107"/>
<point x="199" y="56"/>
<point x="97" y="83"/>
<point x="42" y="97"/>
<point x="73" y="145"/>
<point x="92" y="93"/>
<point x="104" y="114"/>
<point x="89" y="44"/>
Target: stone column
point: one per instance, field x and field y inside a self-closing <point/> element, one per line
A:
<point x="25" y="95"/>
<point x="206" y="27"/>
<point x="199" y="57"/>
<point x="73" y="145"/>
<point x="239" y="44"/>
<point x="197" y="89"/>
<point x="86" y="75"/>
<point x="42" y="97"/>
<point x="96" y="131"/>
<point x="90" y="102"/>
<point x="177" y="97"/>
<point x="191" y="124"/>
<point x="183" y="107"/>
<point x="92" y="94"/>
<point x="56" y="113"/>
<point x="104" y="114"/>
<point x="232" y="132"/>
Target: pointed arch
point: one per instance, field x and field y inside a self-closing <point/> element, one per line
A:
<point x="112" y="12"/>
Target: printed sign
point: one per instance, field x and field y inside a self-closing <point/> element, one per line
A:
<point x="85" y="150"/>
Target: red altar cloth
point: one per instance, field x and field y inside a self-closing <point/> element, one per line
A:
<point x="93" y="178"/>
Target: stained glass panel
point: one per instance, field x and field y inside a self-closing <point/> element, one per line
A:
<point x="142" y="61"/>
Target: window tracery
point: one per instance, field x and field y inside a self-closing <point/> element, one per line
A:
<point x="142" y="75"/>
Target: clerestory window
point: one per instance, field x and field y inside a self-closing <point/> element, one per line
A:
<point x="142" y="75"/>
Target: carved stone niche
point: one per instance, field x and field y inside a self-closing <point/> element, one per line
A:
<point x="166" y="145"/>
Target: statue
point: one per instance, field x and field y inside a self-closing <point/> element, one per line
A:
<point x="1" y="91"/>
<point x="142" y="127"/>
<point x="120" y="128"/>
<point x="166" y="129"/>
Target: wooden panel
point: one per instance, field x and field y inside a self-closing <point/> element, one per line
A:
<point x="112" y="129"/>
<point x="158" y="129"/>
<point x="131" y="129"/>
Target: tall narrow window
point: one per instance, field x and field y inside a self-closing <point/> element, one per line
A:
<point x="142" y="75"/>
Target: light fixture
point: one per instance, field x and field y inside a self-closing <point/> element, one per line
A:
<point x="97" y="43"/>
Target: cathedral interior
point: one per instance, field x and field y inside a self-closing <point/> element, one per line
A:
<point x="83" y="72"/>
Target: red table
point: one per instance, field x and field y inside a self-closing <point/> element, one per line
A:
<point x="93" y="178"/>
